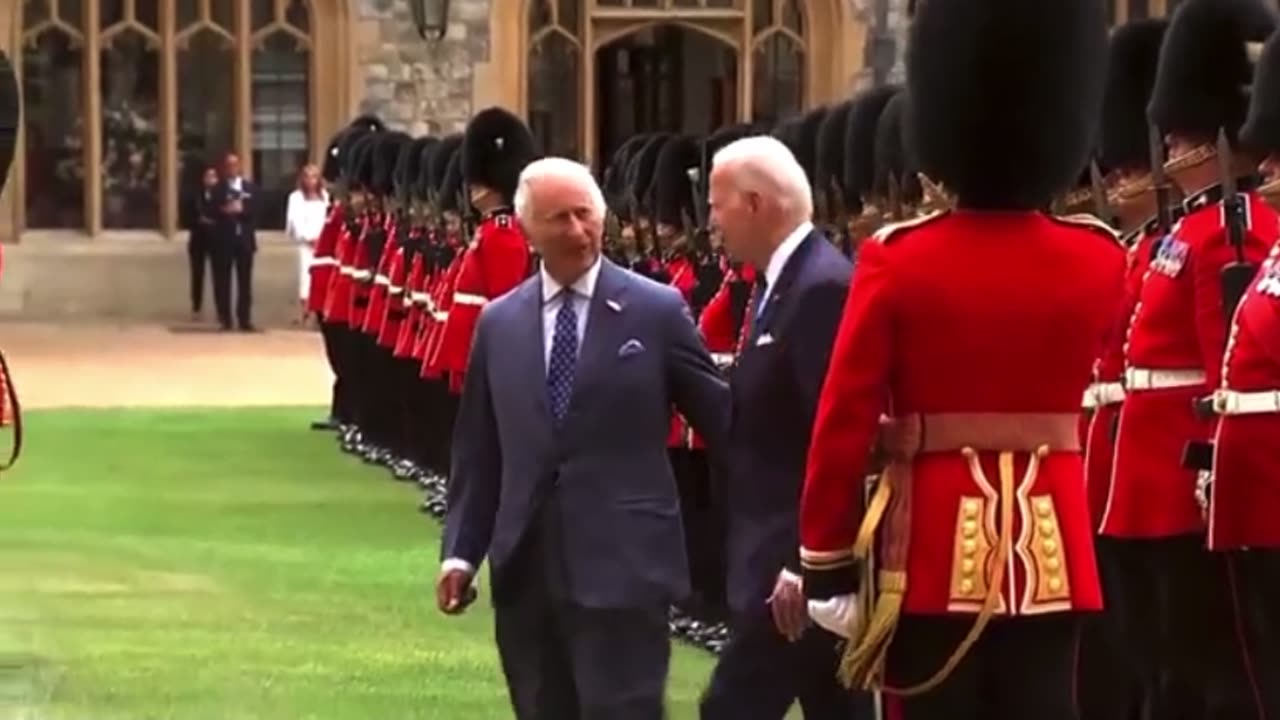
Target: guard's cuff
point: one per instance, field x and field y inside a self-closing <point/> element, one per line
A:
<point x="829" y="573"/>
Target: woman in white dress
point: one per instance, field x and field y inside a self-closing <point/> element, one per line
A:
<point x="303" y="221"/>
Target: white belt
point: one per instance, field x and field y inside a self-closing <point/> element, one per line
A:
<point x="361" y="274"/>
<point x="420" y="297"/>
<point x="722" y="359"/>
<point x="346" y="270"/>
<point x="469" y="299"/>
<point x="395" y="289"/>
<point x="1231" y="402"/>
<point x="323" y="261"/>
<point x="1102" y="394"/>
<point x="440" y="315"/>
<point x="382" y="280"/>
<point x="1149" y="379"/>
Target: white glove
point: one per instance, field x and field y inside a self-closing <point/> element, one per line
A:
<point x="837" y="614"/>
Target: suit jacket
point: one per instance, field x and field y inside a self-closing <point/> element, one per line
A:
<point x="236" y="231"/>
<point x="775" y="388"/>
<point x="606" y="465"/>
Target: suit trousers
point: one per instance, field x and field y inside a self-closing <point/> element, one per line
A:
<point x="563" y="661"/>
<point x="761" y="674"/>
<point x="1256" y="582"/>
<point x="237" y="261"/>
<point x="1109" y="681"/>
<point x="199" y="255"/>
<point x="1176" y="610"/>
<point x="1019" y="669"/>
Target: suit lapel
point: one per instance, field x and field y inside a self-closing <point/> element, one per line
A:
<point x="532" y="344"/>
<point x="780" y="290"/>
<point x="604" y="327"/>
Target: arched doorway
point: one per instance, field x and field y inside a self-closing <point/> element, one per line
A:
<point x="592" y="72"/>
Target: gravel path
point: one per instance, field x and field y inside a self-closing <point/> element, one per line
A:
<point x="107" y="366"/>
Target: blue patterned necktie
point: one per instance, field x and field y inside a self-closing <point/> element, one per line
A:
<point x="564" y="356"/>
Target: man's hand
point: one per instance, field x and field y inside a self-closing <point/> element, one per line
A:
<point x="454" y="591"/>
<point x="787" y="603"/>
<point x="837" y="614"/>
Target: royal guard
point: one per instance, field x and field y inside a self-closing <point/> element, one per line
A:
<point x="828" y="173"/>
<point x="864" y="216"/>
<point x="965" y="346"/>
<point x="896" y="176"/>
<point x="639" y="195"/>
<point x="1176" y="596"/>
<point x="1244" y="492"/>
<point x="450" y="259"/>
<point x="496" y="147"/>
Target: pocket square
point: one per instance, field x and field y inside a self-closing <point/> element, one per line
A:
<point x="630" y="347"/>
<point x="765" y="339"/>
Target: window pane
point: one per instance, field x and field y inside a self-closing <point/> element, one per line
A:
<point x="281" y="96"/>
<point x="110" y="12"/>
<point x="298" y="15"/>
<point x="539" y="14"/>
<point x="53" y="130"/>
<point x="222" y="12"/>
<point x="188" y="13"/>
<point x="791" y="18"/>
<point x="206" y="107"/>
<point x="147" y="14"/>
<point x="568" y="20"/>
<point x="34" y="11"/>
<point x="130" y="137"/>
<point x="263" y="13"/>
<point x="72" y="13"/>
<point x="553" y="95"/>
<point x="778" y="79"/>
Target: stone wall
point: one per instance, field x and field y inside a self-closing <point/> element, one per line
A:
<point x="422" y="87"/>
<point x="899" y="20"/>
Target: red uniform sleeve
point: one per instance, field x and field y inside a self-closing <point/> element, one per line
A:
<point x="854" y="395"/>
<point x="504" y="255"/>
<point x="1211" y="320"/>
<point x="716" y="321"/>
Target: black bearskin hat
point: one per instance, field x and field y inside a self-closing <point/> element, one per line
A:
<point x="1202" y="83"/>
<point x="387" y="155"/>
<point x="438" y="163"/>
<point x="331" y="168"/>
<point x="1005" y="96"/>
<point x="10" y="115"/>
<point x="614" y="181"/>
<point x="722" y="138"/>
<point x="788" y="133"/>
<point x="892" y="159"/>
<point x="672" y="189"/>
<point x="805" y="148"/>
<point x="409" y="166"/>
<point x="451" y="184"/>
<point x="362" y="154"/>
<point x="343" y="155"/>
<point x="860" y="143"/>
<point x="1261" y="131"/>
<point x="828" y="167"/>
<point x="497" y="146"/>
<point x="1131" y="73"/>
<point x="640" y="172"/>
<point x="368" y="121"/>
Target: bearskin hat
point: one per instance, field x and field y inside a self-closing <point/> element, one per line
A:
<point x="614" y="181"/>
<point x="331" y="168"/>
<point x="1261" y="130"/>
<point x="893" y="163"/>
<point x="640" y="172"/>
<point x="341" y="155"/>
<point x="722" y="138"/>
<point x="805" y="148"/>
<point x="385" y="159"/>
<point x="496" y="147"/>
<point x="438" y="162"/>
<point x="672" y="188"/>
<point x="368" y="121"/>
<point x="828" y="166"/>
<point x="409" y="166"/>
<point x="360" y="174"/>
<point x="1005" y="96"/>
<point x="788" y="133"/>
<point x="10" y="114"/>
<point x="1131" y="73"/>
<point x="860" y="142"/>
<point x="451" y="184"/>
<point x="1205" y="69"/>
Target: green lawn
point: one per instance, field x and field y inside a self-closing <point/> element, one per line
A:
<point x="230" y="564"/>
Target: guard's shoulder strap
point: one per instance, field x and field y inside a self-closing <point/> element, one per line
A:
<point x="893" y="231"/>
<point x="1085" y="221"/>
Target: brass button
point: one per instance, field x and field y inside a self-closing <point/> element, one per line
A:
<point x="969" y="528"/>
<point x="1055" y="584"/>
<point x="967" y="566"/>
<point x="966" y="587"/>
<point x="1050" y="547"/>
<point x="969" y="547"/>
<point x="970" y="508"/>
<point x="1043" y="507"/>
<point x="1052" y="564"/>
<point x="1046" y="528"/>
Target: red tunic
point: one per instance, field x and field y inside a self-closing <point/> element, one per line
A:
<point x="414" y="305"/>
<point x="497" y="262"/>
<point x="337" y="302"/>
<point x="683" y="278"/>
<point x="1178" y="325"/>
<point x="361" y="281"/>
<point x="325" y="261"/>
<point x="965" y="312"/>
<point x="377" y="311"/>
<point x="1245" y="499"/>
<point x="439" y="302"/>
<point x="393" y="314"/>
<point x="1105" y="395"/>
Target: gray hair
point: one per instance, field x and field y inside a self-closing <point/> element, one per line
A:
<point x="558" y="167"/>
<point x="763" y="164"/>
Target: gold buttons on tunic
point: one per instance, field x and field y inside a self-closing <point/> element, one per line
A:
<point x="969" y="528"/>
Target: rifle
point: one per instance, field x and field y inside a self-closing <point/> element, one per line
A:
<point x="1236" y="275"/>
<point x="1159" y="181"/>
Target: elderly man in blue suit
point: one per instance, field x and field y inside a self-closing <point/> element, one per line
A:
<point x="560" y="474"/>
<point x="761" y="202"/>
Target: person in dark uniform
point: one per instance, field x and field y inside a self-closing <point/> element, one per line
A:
<point x="201" y="218"/>
<point x="964" y="348"/>
<point x="234" y="199"/>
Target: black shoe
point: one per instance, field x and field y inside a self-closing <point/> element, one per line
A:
<point x="248" y="328"/>
<point x="329" y="424"/>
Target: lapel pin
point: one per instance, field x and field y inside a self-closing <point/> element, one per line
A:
<point x="614" y="305"/>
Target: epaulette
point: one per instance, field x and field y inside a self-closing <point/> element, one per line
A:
<point x="504" y="221"/>
<point x="888" y="233"/>
<point x="1086" y="221"/>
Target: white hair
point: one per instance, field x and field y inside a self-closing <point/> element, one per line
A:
<point x="557" y="167"/>
<point x="763" y="164"/>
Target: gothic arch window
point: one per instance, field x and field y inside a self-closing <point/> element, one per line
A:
<point x="555" y="55"/>
<point x="778" y="59"/>
<point x="128" y="100"/>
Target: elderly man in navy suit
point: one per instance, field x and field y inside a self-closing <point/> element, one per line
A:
<point x="560" y="474"/>
<point x="761" y="202"/>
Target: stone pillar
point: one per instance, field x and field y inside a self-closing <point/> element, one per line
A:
<point x="415" y="85"/>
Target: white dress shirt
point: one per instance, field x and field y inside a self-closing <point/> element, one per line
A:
<point x="778" y="260"/>
<point x="553" y="296"/>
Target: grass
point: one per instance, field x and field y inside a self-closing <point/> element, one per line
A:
<point x="230" y="564"/>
